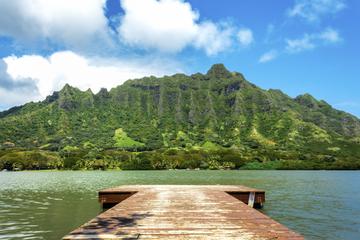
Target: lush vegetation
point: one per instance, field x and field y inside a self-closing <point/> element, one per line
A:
<point x="216" y="120"/>
<point x="170" y="158"/>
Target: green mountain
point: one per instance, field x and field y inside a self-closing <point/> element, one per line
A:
<point x="202" y="119"/>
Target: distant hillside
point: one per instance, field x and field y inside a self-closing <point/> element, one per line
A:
<point x="216" y="111"/>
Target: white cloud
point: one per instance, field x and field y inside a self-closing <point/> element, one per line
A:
<point x="15" y="91"/>
<point x="314" y="10"/>
<point x="245" y="36"/>
<point x="16" y="97"/>
<point x="72" y="23"/>
<point x="330" y="35"/>
<point x="170" y="26"/>
<point x="213" y="38"/>
<point x="48" y="74"/>
<point x="268" y="56"/>
<point x="301" y="44"/>
<point x="311" y="41"/>
<point x="305" y="43"/>
<point x="162" y="25"/>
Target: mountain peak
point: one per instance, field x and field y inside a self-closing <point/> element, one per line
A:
<point x="68" y="88"/>
<point x="307" y="100"/>
<point x="218" y="71"/>
<point x="103" y="93"/>
<point x="89" y="91"/>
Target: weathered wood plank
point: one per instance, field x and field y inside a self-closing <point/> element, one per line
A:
<point x="181" y="212"/>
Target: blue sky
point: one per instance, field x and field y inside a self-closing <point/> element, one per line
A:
<point x="298" y="46"/>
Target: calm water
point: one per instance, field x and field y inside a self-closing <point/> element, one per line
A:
<point x="47" y="205"/>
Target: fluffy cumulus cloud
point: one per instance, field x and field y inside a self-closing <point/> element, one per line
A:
<point x="71" y="23"/>
<point x="268" y="56"/>
<point x="7" y="83"/>
<point x="170" y="26"/>
<point x="311" y="41"/>
<point x="33" y="77"/>
<point x="213" y="38"/>
<point x="314" y="10"/>
<point x="162" y="25"/>
<point x="15" y="91"/>
<point x="245" y="36"/>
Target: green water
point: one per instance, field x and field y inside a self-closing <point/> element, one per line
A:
<point x="48" y="205"/>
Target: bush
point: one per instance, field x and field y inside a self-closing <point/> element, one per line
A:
<point x="30" y="160"/>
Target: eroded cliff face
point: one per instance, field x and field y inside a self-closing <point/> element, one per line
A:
<point x="219" y="107"/>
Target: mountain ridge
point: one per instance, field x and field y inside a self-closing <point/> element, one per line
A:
<point x="219" y="109"/>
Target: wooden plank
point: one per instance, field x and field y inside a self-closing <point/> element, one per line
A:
<point x="181" y="212"/>
<point x="242" y="193"/>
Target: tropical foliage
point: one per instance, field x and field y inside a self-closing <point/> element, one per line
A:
<point x="216" y="120"/>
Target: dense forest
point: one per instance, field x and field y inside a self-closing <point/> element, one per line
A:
<point x="216" y="120"/>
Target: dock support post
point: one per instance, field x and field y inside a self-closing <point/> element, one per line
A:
<point x="251" y="199"/>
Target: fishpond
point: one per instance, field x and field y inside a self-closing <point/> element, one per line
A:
<point x="49" y="204"/>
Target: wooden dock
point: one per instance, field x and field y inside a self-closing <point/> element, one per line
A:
<point x="182" y="212"/>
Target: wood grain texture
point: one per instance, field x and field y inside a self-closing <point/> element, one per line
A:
<point x="181" y="212"/>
